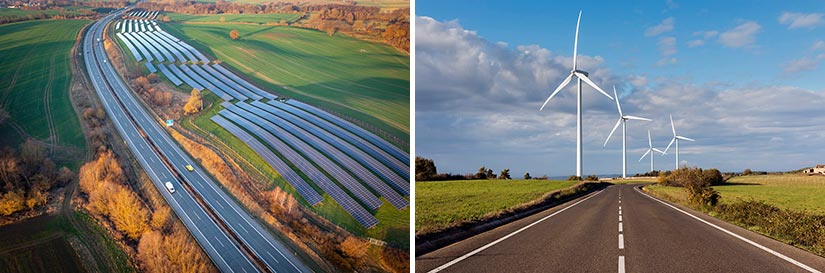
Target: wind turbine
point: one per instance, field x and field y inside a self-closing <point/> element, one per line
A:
<point x="623" y="121"/>
<point x="580" y="76"/>
<point x="676" y="139"/>
<point x="650" y="151"/>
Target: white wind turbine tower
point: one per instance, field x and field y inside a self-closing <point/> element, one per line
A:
<point x="676" y="139"/>
<point x="650" y="151"/>
<point x="581" y="76"/>
<point x="623" y="121"/>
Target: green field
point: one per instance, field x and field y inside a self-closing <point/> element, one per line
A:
<point x="440" y="204"/>
<point x="242" y="18"/>
<point x="787" y="191"/>
<point x="366" y="81"/>
<point x="393" y="225"/>
<point x="34" y="85"/>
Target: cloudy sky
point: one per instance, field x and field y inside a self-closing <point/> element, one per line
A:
<point x="742" y="78"/>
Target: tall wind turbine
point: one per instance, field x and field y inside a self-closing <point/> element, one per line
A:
<point x="623" y="121"/>
<point x="650" y="151"/>
<point x="581" y="76"/>
<point x="676" y="139"/>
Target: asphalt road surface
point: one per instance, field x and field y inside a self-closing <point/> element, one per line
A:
<point x="128" y="115"/>
<point x="619" y="229"/>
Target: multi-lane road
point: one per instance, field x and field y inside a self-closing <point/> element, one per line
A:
<point x="164" y="160"/>
<point x="619" y="229"/>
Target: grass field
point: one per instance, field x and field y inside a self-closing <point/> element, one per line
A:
<point x="366" y="81"/>
<point x="34" y="83"/>
<point x="243" y="18"/>
<point x="439" y="204"/>
<point x="787" y="191"/>
<point x="393" y="225"/>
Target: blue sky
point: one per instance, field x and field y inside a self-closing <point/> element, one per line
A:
<point x="742" y="77"/>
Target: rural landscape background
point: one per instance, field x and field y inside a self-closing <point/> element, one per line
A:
<point x="74" y="197"/>
<point x="737" y="82"/>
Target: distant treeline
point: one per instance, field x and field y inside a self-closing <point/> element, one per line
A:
<point x="391" y="27"/>
<point x="425" y="170"/>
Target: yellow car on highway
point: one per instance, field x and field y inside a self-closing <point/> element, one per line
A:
<point x="189" y="167"/>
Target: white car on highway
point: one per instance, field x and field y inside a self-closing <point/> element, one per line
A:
<point x="170" y="187"/>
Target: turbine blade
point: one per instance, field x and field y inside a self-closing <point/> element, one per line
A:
<point x="589" y="82"/>
<point x="660" y="151"/>
<point x="612" y="131"/>
<point x="615" y="95"/>
<point x="649" y="141"/>
<point x="637" y="118"/>
<point x="576" y="41"/>
<point x="643" y="156"/>
<point x="672" y="127"/>
<point x="684" y="138"/>
<point x="671" y="143"/>
<point x="561" y="86"/>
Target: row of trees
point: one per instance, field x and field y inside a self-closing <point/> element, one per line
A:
<point x="162" y="244"/>
<point x="425" y="170"/>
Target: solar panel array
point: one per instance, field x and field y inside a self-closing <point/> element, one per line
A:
<point x="353" y="166"/>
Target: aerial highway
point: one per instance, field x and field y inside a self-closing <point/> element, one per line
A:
<point x="164" y="161"/>
<point x="619" y="229"/>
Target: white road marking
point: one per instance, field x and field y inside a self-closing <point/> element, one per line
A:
<point x="737" y="236"/>
<point x="273" y="258"/>
<point x="219" y="241"/>
<point x="620" y="201"/>
<point x="620" y="227"/>
<point x="620" y="218"/>
<point x="620" y="212"/>
<point x="621" y="241"/>
<point x="621" y="264"/>
<point x="480" y="249"/>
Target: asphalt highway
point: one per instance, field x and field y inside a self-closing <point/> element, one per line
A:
<point x="119" y="101"/>
<point x="619" y="229"/>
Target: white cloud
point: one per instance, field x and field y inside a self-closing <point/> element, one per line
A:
<point x="818" y="45"/>
<point x="803" y="64"/>
<point x="706" y="34"/>
<point x="695" y="43"/>
<point x="665" y="26"/>
<point x="671" y="5"/>
<point x="741" y="36"/>
<point x="800" y="20"/>
<point x="667" y="47"/>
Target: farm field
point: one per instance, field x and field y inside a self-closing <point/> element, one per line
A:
<point x="439" y="204"/>
<point x="786" y="191"/>
<point x="244" y="18"/>
<point x="34" y="84"/>
<point x="368" y="82"/>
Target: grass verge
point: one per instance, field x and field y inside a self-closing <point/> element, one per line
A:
<point x="483" y="206"/>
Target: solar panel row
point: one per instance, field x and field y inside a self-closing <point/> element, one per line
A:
<point x="169" y="75"/>
<point x="342" y="198"/>
<point x="305" y="190"/>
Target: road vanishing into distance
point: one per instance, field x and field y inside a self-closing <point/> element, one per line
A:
<point x="227" y="233"/>
<point x="619" y="229"/>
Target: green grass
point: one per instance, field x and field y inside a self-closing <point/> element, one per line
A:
<point x="15" y="13"/>
<point x="241" y="18"/>
<point x="366" y="81"/>
<point x="788" y="191"/>
<point x="393" y="225"/>
<point x="440" y="204"/>
<point x="35" y="76"/>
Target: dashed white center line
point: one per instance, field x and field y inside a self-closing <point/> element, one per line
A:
<point x="620" y="227"/>
<point x="621" y="264"/>
<point x="621" y="241"/>
<point x="620" y="218"/>
<point x="219" y="241"/>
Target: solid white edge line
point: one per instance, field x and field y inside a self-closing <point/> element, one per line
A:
<point x="771" y="251"/>
<point x="471" y="253"/>
<point x="621" y="241"/>
<point x="621" y="264"/>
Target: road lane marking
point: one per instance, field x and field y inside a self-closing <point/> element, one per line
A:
<point x="771" y="251"/>
<point x="273" y="258"/>
<point x="499" y="240"/>
<point x="219" y="241"/>
<point x="621" y="241"/>
<point x="620" y="227"/>
<point x="620" y="218"/>
<point x="621" y="264"/>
